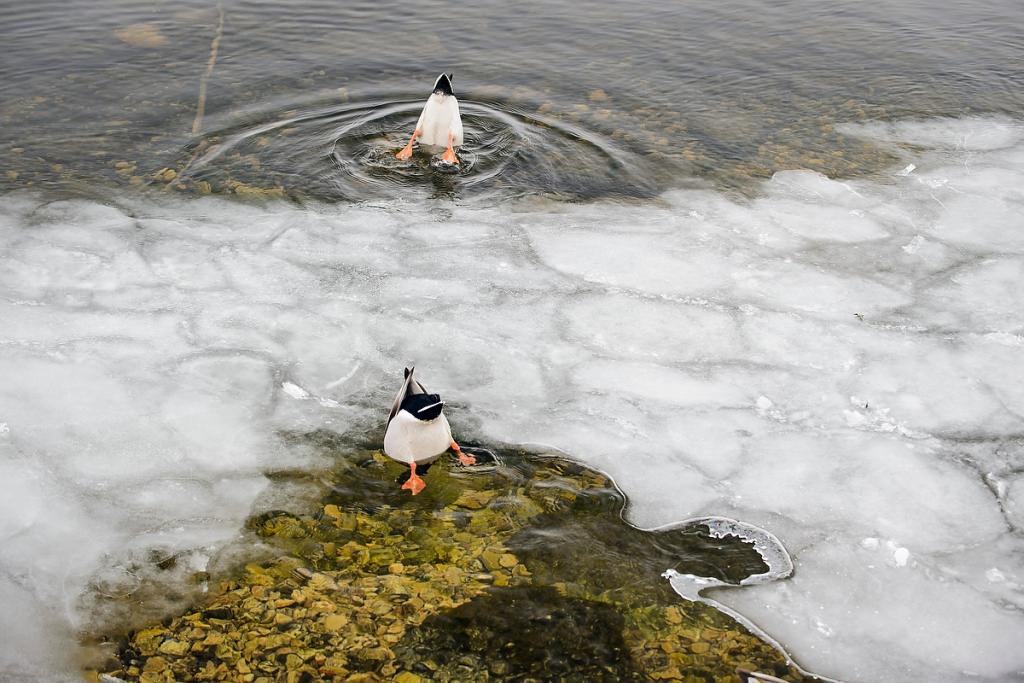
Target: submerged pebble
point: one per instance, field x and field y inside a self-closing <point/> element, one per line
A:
<point x="453" y="585"/>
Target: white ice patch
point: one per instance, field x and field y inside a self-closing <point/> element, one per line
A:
<point x="995" y="576"/>
<point x="295" y="391"/>
<point x="836" y="362"/>
<point x="967" y="134"/>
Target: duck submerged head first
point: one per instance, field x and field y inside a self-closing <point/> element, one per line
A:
<point x="440" y="124"/>
<point x="418" y="433"/>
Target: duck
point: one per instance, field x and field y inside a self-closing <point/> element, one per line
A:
<point x="439" y="125"/>
<point x="418" y="432"/>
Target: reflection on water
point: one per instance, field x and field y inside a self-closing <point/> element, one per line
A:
<point x="727" y="91"/>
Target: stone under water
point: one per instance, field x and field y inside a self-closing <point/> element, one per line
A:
<point x="519" y="568"/>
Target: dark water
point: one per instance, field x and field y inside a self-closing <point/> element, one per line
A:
<point x="571" y="99"/>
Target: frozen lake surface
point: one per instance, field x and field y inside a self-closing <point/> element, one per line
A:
<point x="839" y="362"/>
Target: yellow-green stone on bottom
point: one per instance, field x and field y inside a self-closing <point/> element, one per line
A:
<point x="523" y="570"/>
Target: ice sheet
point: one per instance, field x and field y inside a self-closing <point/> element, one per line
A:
<point x="840" y="363"/>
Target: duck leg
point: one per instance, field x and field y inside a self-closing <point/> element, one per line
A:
<point x="406" y="153"/>
<point x="464" y="459"/>
<point x="414" y="483"/>
<point x="449" y="154"/>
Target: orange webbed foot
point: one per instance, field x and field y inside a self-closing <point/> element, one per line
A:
<point x="464" y="460"/>
<point x="449" y="156"/>
<point x="414" y="483"/>
<point x="405" y="154"/>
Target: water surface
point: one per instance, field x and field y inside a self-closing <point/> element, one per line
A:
<point x="574" y="100"/>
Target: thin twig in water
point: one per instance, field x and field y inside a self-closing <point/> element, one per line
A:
<point x="197" y="125"/>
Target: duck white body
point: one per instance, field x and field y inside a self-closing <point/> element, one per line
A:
<point x="409" y="439"/>
<point x="440" y="116"/>
<point x="440" y="124"/>
<point x="418" y="432"/>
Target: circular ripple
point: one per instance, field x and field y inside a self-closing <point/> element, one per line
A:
<point x="347" y="150"/>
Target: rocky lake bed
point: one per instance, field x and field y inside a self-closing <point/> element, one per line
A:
<point x="518" y="569"/>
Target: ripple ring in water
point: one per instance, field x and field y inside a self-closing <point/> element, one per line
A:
<point x="347" y="151"/>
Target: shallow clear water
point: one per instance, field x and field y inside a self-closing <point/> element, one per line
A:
<point x="835" y="358"/>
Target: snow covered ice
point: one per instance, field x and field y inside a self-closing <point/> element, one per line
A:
<point x="839" y="362"/>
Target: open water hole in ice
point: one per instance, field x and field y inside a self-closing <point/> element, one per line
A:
<point x="839" y="362"/>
